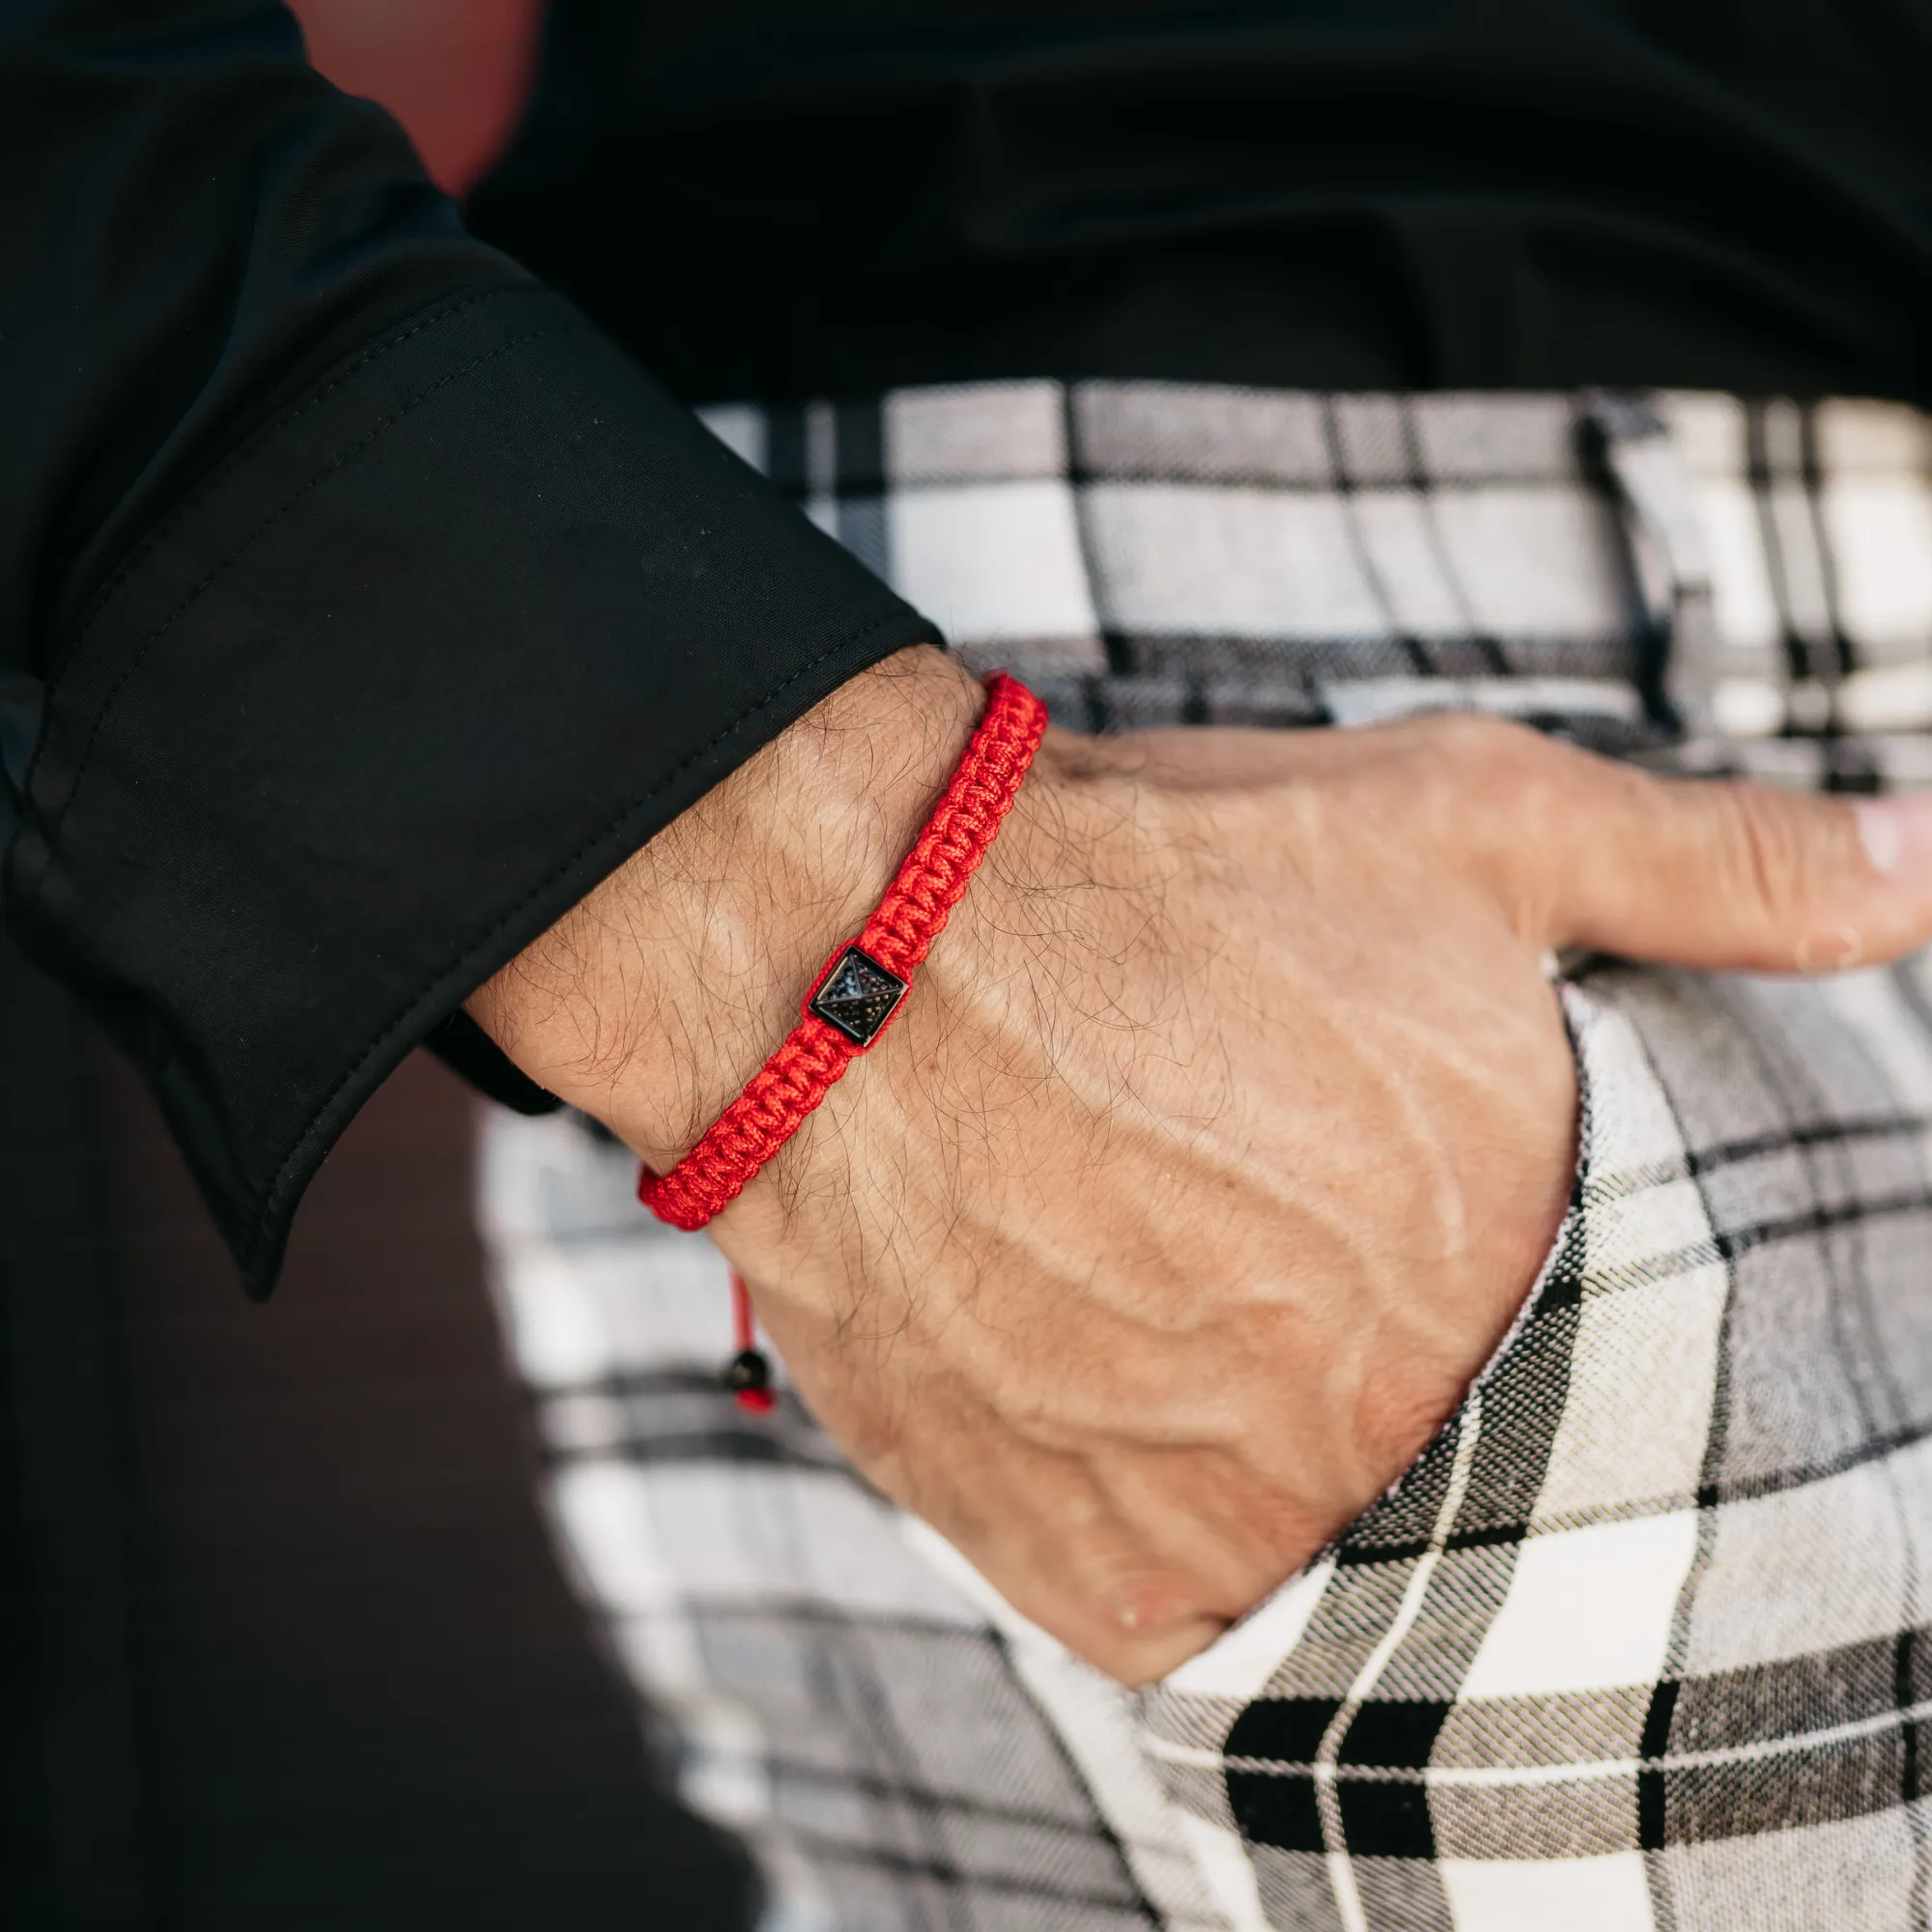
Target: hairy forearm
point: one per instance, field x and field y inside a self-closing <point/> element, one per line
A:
<point x="659" y="995"/>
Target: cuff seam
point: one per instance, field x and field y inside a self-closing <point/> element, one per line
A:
<point x="51" y="831"/>
<point x="204" y="487"/>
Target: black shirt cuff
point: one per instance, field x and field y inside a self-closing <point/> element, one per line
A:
<point x="427" y="658"/>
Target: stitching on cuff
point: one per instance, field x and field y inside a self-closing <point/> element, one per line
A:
<point x="271" y="1197"/>
<point x="50" y="831"/>
<point x="433" y="316"/>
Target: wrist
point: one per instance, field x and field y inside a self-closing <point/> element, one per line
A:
<point x="653" y="1001"/>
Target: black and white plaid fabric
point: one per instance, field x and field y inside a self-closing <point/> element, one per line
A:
<point x="1643" y="1639"/>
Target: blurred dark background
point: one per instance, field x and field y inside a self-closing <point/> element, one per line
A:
<point x="282" y="1644"/>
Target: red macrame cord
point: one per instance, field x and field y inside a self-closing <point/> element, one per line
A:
<point x="898" y="935"/>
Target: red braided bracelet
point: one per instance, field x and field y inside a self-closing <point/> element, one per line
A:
<point x="866" y="980"/>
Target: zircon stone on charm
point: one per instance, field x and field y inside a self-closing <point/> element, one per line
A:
<point x="858" y="997"/>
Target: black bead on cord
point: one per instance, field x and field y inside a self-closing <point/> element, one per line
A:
<point x="748" y="1373"/>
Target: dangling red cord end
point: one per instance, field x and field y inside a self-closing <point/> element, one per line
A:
<point x="748" y="1375"/>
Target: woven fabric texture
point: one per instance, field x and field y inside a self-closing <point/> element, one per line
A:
<point x="1641" y="1639"/>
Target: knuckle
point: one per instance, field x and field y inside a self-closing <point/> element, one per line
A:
<point x="1769" y="852"/>
<point x="1477" y="763"/>
<point x="1480" y="745"/>
<point x="1484" y="783"/>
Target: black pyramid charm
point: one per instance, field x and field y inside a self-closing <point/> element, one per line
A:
<point x="857" y="996"/>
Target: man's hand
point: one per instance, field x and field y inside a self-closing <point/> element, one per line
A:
<point x="1224" y="1131"/>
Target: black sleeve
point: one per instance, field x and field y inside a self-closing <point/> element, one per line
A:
<point x="361" y="607"/>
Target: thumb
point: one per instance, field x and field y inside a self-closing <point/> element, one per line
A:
<point x="1722" y="873"/>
